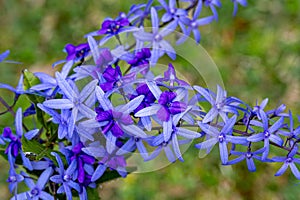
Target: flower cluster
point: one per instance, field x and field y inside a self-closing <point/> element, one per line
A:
<point x="107" y="103"/>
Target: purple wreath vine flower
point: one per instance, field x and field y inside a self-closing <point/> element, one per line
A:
<point x="212" y="4"/>
<point x="268" y="134"/>
<point x="249" y="156"/>
<point x="14" y="147"/>
<point x="73" y="100"/>
<point x="106" y="160"/>
<point x="222" y="137"/>
<point x="221" y="104"/>
<point x="156" y="38"/>
<point x="171" y="77"/>
<point x="65" y="177"/>
<point x="113" y="27"/>
<point x="14" y="179"/>
<point x="235" y="4"/>
<point x="288" y="161"/>
<point x="194" y="24"/>
<point x="138" y="13"/>
<point x="36" y="190"/>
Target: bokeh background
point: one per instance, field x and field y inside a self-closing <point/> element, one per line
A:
<point x="258" y="55"/>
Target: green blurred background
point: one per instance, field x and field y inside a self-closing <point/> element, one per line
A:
<point x="257" y="53"/>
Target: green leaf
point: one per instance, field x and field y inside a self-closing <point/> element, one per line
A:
<point x="3" y="154"/>
<point x="92" y="193"/>
<point x="110" y="175"/>
<point x="31" y="80"/>
<point x="36" y="148"/>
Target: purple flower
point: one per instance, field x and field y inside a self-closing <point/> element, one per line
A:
<point x="61" y="119"/>
<point x="48" y="83"/>
<point x="131" y="144"/>
<point x="291" y="133"/>
<point x="235" y="4"/>
<point x="108" y="160"/>
<point x="171" y="11"/>
<point x="14" y="179"/>
<point x="194" y="24"/>
<point x="73" y="100"/>
<point x="101" y="56"/>
<point x="111" y="28"/>
<point x="82" y="160"/>
<point x="14" y="144"/>
<point x="111" y="76"/>
<point x="149" y="98"/>
<point x="222" y="137"/>
<point x="169" y="105"/>
<point x="19" y="90"/>
<point x="141" y="60"/>
<point x="117" y="120"/>
<point x="221" y="105"/>
<point x="260" y="108"/>
<point x="4" y="55"/>
<point x="14" y="147"/>
<point x="159" y="45"/>
<point x="137" y="14"/>
<point x="78" y="52"/>
<point x="65" y="177"/>
<point x="278" y="112"/>
<point x="213" y="4"/>
<point x="170" y="76"/>
<point x="248" y="156"/>
<point x="267" y="134"/>
<point x="168" y="140"/>
<point x="288" y="161"/>
<point x="36" y="190"/>
<point x="112" y="117"/>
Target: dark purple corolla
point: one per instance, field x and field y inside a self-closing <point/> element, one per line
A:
<point x="149" y="98"/>
<point x="111" y="76"/>
<point x="113" y="119"/>
<point x="82" y="160"/>
<point x="113" y="27"/>
<point x="169" y="103"/>
<point x="78" y="52"/>
<point x="169" y="106"/>
<point x="141" y="60"/>
<point x="170" y="76"/>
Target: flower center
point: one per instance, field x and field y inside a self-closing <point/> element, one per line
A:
<point x="289" y="160"/>
<point x="194" y="25"/>
<point x="249" y="155"/>
<point x="157" y="37"/>
<point x="267" y="134"/>
<point x="12" y="179"/>
<point x="172" y="11"/>
<point x="34" y="192"/>
<point x="221" y="138"/>
<point x="67" y="177"/>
